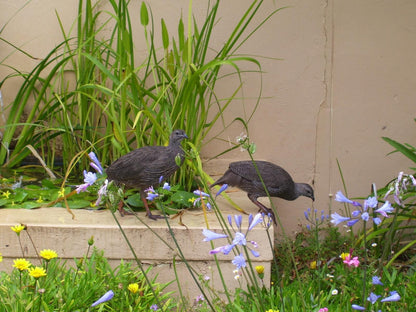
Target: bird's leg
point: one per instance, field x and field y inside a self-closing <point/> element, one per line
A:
<point x="263" y="208"/>
<point x="148" y="213"/>
<point x="121" y="209"/>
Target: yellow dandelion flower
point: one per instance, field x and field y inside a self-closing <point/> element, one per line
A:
<point x="21" y="264"/>
<point x="6" y="194"/>
<point x="134" y="288"/>
<point x="344" y="255"/>
<point x="312" y="265"/>
<point x="48" y="254"/>
<point x="259" y="269"/>
<point x="18" y="228"/>
<point x="1" y="257"/>
<point x="271" y="310"/>
<point x="37" y="272"/>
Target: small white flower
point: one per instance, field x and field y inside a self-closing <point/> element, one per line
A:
<point x="334" y="292"/>
<point x="374" y="245"/>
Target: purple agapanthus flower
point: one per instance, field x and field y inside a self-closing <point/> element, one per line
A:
<point x="151" y="193"/>
<point x="400" y="186"/>
<point x="394" y="296"/>
<point x="343" y="199"/>
<point x="95" y="163"/>
<point x="239" y="261"/>
<point x="240" y="238"/>
<point x="210" y="235"/>
<point x="385" y="209"/>
<point x="102" y="192"/>
<point x="154" y="307"/>
<point x="202" y="196"/>
<point x="89" y="179"/>
<point x="314" y="218"/>
<point x="337" y="218"/>
<point x="166" y="186"/>
<point x="376" y="281"/>
<point x="106" y="297"/>
<point x="363" y="212"/>
<point x="373" y="298"/>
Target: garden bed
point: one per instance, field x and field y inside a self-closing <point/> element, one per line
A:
<point x="54" y="228"/>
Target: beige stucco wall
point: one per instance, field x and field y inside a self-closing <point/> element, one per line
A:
<point x="345" y="79"/>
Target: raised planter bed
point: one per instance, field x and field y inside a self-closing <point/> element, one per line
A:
<point x="54" y="228"/>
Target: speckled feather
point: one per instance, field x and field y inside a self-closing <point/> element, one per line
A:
<point x="279" y="183"/>
<point x="144" y="166"/>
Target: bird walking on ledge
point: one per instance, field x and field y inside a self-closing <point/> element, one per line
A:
<point x="243" y="175"/>
<point x="147" y="166"/>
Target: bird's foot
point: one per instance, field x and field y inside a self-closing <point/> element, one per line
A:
<point x="123" y="211"/>
<point x="154" y="217"/>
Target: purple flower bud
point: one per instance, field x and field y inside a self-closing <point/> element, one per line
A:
<point x="355" y="213"/>
<point x="95" y="163"/>
<point x="238" y="219"/>
<point x="222" y="189"/>
<point x="255" y="253"/>
<point x="107" y="296"/>
<point x="357" y="307"/>
<point x="352" y="222"/>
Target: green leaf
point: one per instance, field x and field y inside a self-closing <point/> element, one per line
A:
<point x="182" y="198"/>
<point x="144" y="15"/>
<point x="135" y="200"/>
<point x="20" y="195"/>
<point x="79" y="203"/>
<point x="4" y="201"/>
<point x="30" y="205"/>
<point x="165" y="35"/>
<point x="409" y="153"/>
<point x="181" y="32"/>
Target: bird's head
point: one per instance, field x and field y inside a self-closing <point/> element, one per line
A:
<point x="177" y="136"/>
<point x="306" y="190"/>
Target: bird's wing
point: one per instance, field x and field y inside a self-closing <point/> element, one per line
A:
<point x="273" y="176"/>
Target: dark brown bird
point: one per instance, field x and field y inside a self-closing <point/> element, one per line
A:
<point x="147" y="166"/>
<point x="279" y="183"/>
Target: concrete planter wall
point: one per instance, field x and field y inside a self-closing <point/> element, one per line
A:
<point x="54" y="228"/>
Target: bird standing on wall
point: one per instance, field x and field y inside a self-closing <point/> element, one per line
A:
<point x="279" y="183"/>
<point x="147" y="166"/>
